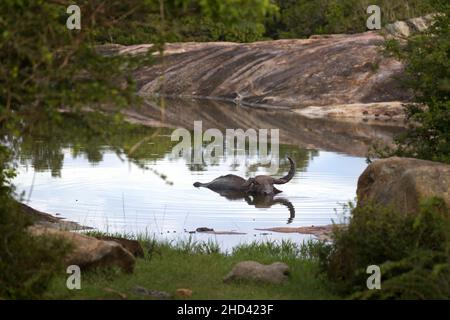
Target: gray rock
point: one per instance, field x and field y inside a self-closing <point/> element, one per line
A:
<point x="399" y="29"/>
<point x="275" y="273"/>
<point x="403" y="183"/>
<point x="90" y="252"/>
<point x="403" y="29"/>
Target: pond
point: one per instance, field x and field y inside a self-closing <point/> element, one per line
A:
<point x="142" y="188"/>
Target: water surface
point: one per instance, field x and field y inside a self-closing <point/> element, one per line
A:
<point x="84" y="179"/>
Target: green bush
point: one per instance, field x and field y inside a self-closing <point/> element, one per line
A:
<point x="421" y="275"/>
<point x="27" y="263"/>
<point x="427" y="69"/>
<point x="410" y="250"/>
<point x="303" y="18"/>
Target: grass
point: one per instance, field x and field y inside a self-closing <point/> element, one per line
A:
<point x="201" y="266"/>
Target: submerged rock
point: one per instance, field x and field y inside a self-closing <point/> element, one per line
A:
<point x="204" y="229"/>
<point x="88" y="252"/>
<point x="212" y="231"/>
<point x="276" y="272"/>
<point x="403" y="183"/>
<point x="322" y="233"/>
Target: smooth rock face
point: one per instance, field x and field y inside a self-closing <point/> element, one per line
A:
<point x="295" y="73"/>
<point x="90" y="252"/>
<point x="276" y="272"/>
<point x="403" y="183"/>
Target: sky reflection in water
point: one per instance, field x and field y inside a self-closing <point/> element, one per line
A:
<point x="96" y="187"/>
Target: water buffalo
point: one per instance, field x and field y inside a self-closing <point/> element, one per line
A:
<point x="259" y="185"/>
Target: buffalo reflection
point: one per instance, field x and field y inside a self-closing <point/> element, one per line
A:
<point x="259" y="200"/>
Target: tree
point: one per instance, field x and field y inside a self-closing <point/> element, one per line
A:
<point x="46" y="68"/>
<point x="427" y="60"/>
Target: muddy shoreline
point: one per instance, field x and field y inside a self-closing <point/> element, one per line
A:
<point x="46" y="220"/>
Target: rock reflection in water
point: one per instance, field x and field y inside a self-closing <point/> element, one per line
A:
<point x="323" y="134"/>
<point x="132" y="183"/>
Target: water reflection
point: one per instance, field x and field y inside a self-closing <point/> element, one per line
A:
<point x="128" y="180"/>
<point x="42" y="148"/>
<point x="259" y="200"/>
<point x="323" y="134"/>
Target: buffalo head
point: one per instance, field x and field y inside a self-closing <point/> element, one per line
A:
<point x="264" y="184"/>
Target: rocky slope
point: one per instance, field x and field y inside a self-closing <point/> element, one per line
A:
<point x="320" y="71"/>
<point x="338" y="76"/>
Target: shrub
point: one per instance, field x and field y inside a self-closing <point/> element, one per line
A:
<point x="27" y="263"/>
<point x="411" y="250"/>
<point x="422" y="275"/>
<point x="427" y="68"/>
<point x="303" y="18"/>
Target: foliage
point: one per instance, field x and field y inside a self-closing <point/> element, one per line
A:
<point x="247" y="21"/>
<point x="303" y="18"/>
<point x="427" y="60"/>
<point x="410" y="250"/>
<point x="192" y="20"/>
<point x="422" y="275"/>
<point x="89" y="135"/>
<point x="250" y="20"/>
<point x="27" y="263"/>
<point x="46" y="67"/>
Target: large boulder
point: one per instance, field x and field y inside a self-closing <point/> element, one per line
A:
<point x="403" y="183"/>
<point x="87" y="252"/>
<point x="133" y="246"/>
<point x="276" y="272"/>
